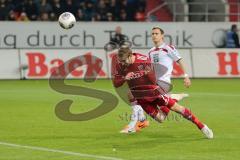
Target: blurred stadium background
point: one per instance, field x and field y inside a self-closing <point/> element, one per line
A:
<point x="33" y="45"/>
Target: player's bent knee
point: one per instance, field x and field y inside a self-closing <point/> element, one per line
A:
<point x="177" y="108"/>
<point x="160" y="117"/>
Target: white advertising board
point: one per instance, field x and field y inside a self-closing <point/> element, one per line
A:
<point x="40" y="63"/>
<point x="97" y="34"/>
<point x="9" y="64"/>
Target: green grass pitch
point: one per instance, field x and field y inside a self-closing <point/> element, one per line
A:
<point x="27" y="118"/>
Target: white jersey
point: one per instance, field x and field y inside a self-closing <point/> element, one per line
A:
<point x="163" y="58"/>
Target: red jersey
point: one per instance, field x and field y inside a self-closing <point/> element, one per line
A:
<point x="142" y="84"/>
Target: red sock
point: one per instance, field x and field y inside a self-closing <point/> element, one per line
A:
<point x="165" y="110"/>
<point x="191" y="117"/>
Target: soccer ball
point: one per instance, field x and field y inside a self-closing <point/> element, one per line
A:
<point x="66" y="20"/>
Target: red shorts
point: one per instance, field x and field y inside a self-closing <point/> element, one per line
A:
<point x="151" y="107"/>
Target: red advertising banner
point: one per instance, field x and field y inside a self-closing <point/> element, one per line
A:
<point x="43" y="63"/>
<point x="216" y="62"/>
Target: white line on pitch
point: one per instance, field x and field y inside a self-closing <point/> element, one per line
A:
<point x="214" y="94"/>
<point x="59" y="151"/>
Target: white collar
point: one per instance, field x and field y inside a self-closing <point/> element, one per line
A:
<point x="161" y="46"/>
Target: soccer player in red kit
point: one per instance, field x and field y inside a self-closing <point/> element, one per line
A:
<point x="136" y="70"/>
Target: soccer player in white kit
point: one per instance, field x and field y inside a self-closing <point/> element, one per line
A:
<point x="162" y="57"/>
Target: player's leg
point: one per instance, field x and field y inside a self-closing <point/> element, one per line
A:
<point x="135" y="116"/>
<point x="166" y="87"/>
<point x="187" y="114"/>
<point x="179" y="97"/>
<point x="136" y="108"/>
<point x="176" y="98"/>
<point x="161" y="115"/>
<point x="138" y="119"/>
<point x="152" y="110"/>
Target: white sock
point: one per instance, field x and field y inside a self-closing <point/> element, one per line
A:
<point x="141" y="115"/>
<point x="133" y="122"/>
<point x="137" y="115"/>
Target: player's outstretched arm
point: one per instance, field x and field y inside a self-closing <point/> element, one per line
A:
<point x="187" y="81"/>
<point x="118" y="80"/>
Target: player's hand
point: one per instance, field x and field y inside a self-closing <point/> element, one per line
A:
<point x="187" y="82"/>
<point x="129" y="76"/>
<point x="147" y="70"/>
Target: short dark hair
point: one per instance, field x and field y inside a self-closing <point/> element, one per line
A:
<point x="160" y="29"/>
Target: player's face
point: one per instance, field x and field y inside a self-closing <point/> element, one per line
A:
<point x="157" y="36"/>
<point x="118" y="30"/>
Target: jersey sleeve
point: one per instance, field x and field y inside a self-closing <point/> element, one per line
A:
<point x="173" y="53"/>
<point x="117" y="76"/>
<point x="118" y="80"/>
